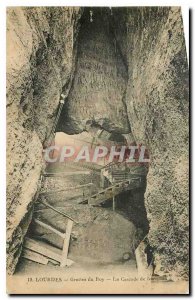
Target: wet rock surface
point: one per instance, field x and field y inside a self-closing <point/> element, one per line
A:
<point x="98" y="90"/>
<point x="157" y="105"/>
<point x="40" y="64"/>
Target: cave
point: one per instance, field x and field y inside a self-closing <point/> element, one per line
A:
<point x="112" y="229"/>
<point x="99" y="76"/>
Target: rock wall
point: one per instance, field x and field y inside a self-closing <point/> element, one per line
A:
<point x="41" y="48"/>
<point x="157" y="105"/>
<point x="98" y="92"/>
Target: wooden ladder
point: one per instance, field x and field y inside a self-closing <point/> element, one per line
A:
<point x="41" y="252"/>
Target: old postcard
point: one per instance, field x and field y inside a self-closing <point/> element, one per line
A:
<point x="97" y="151"/>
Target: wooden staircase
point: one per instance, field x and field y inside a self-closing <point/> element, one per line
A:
<point x="80" y="166"/>
<point x="121" y="180"/>
<point x="43" y="253"/>
<point x="68" y="173"/>
<point x="119" y="175"/>
<point x="112" y="191"/>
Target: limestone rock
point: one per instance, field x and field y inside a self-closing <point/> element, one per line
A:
<point x="158" y="106"/>
<point x="40" y="64"/>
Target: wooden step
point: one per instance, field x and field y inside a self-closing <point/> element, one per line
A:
<point x="43" y="248"/>
<point x="36" y="257"/>
<point x="79" y="166"/>
<point x="82" y="186"/>
<point x="63" y="174"/>
<point x="50" y="228"/>
<point x="43" y="253"/>
<point x="112" y="191"/>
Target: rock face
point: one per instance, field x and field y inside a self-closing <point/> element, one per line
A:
<point x="40" y="63"/>
<point x="157" y="104"/>
<point x="98" y="92"/>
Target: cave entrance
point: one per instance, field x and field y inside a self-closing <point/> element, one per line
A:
<point x="107" y="209"/>
<point x="105" y="199"/>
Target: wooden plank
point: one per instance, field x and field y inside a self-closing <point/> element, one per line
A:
<point x="106" y="193"/>
<point x="66" y="244"/>
<point x="43" y="248"/>
<point x="102" y="179"/>
<point x="33" y="256"/>
<point x="44" y="202"/>
<point x="40" y="258"/>
<point x="69" y="262"/>
<point x="67" y="189"/>
<point x="98" y="198"/>
<point x="110" y="193"/>
<point x="62" y="174"/>
<point x="113" y="203"/>
<point x="82" y="165"/>
<point x="61" y="234"/>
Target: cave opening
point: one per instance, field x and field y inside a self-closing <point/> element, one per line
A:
<point x="105" y="233"/>
<point x="105" y="200"/>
